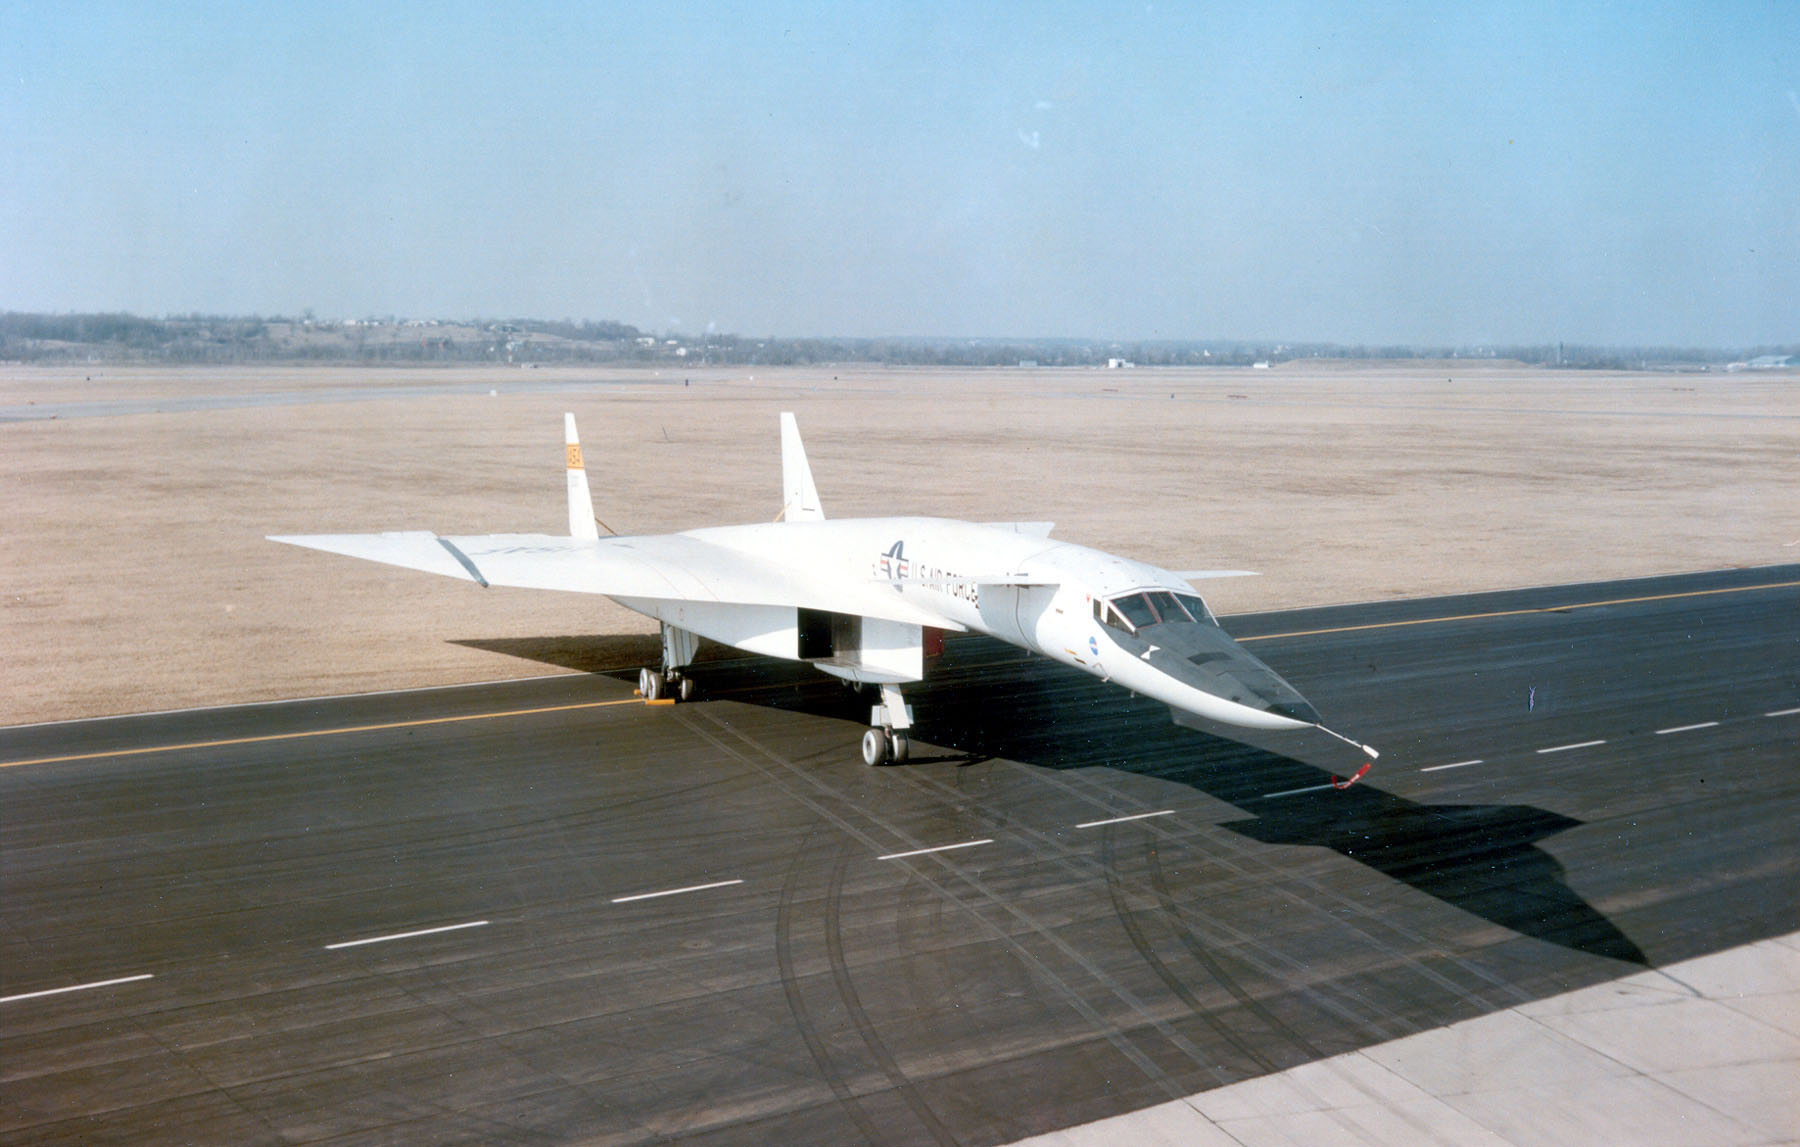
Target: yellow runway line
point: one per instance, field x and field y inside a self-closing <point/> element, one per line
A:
<point x="268" y="737"/>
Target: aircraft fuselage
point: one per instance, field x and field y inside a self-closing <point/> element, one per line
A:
<point x="1009" y="582"/>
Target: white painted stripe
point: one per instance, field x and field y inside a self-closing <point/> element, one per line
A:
<point x="1453" y="765"/>
<point x="1782" y="713"/>
<point x="404" y="935"/>
<point x="76" y="988"/>
<point x="675" y="891"/>
<point x="1291" y="792"/>
<point x="1576" y="745"/>
<point x="1687" y="728"/>
<point x="1123" y="819"/>
<point x="939" y="848"/>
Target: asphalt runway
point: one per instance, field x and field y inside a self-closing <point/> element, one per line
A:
<point x="543" y="911"/>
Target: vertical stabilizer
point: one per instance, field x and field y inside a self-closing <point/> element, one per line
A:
<point x="581" y="502"/>
<point x="799" y="497"/>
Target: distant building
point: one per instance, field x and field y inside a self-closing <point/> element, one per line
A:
<point x="1119" y="364"/>
<point x="1263" y="365"/>
<point x="1764" y="362"/>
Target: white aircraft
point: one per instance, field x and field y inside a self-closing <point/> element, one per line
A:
<point x="863" y="599"/>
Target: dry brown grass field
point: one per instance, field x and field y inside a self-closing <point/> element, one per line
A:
<point x="137" y="577"/>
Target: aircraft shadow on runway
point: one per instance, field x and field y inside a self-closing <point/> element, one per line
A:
<point x="986" y="700"/>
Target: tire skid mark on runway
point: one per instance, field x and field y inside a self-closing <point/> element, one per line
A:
<point x="1262" y="872"/>
<point x="1256" y="870"/>
<point x="1080" y="866"/>
<point x="859" y="1016"/>
<point x="796" y="1000"/>
<point x="1281" y="969"/>
<point x="146" y="1025"/>
<point x="1204" y="957"/>
<point x="1127" y="917"/>
<point x="921" y="919"/>
<point x="793" y="780"/>
<point x="1344" y="1121"/>
<point x="426" y="992"/>
<point x="954" y="802"/>
<point x="1269" y="1019"/>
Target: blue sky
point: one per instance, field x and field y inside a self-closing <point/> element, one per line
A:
<point x="1360" y="173"/>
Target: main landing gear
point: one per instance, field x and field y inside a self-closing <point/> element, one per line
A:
<point x="669" y="686"/>
<point x="670" y="683"/>
<point x="888" y="743"/>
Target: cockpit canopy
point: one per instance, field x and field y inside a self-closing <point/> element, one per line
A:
<point x="1133" y="611"/>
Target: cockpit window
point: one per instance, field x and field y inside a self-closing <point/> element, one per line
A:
<point x="1166" y="607"/>
<point x="1105" y="614"/>
<point x="1135" y="609"/>
<point x="1197" y="608"/>
<point x="1132" y="611"/>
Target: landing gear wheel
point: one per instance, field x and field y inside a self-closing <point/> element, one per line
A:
<point x="684" y="689"/>
<point x="650" y="684"/>
<point x="875" y="747"/>
<point x="898" y="746"/>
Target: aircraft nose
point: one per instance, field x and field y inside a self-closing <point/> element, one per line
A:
<point x="1207" y="659"/>
<point x="1301" y="710"/>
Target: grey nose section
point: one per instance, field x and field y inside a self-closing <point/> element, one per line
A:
<point x="1295" y="711"/>
<point x="1205" y="657"/>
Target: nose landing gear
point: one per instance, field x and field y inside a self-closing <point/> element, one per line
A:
<point x="885" y="746"/>
<point x="887" y="742"/>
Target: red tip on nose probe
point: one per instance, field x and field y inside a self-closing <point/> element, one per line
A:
<point x="1354" y="777"/>
<point x="1358" y="774"/>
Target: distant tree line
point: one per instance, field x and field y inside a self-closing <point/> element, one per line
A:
<point x="197" y="338"/>
<point x="121" y="330"/>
